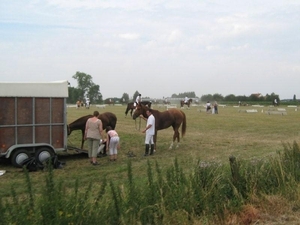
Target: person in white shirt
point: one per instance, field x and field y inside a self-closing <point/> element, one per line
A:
<point x="150" y="131"/>
<point x="87" y="103"/>
<point x="186" y="99"/>
<point x="112" y="143"/>
<point x="208" y="107"/>
<point x="138" y="100"/>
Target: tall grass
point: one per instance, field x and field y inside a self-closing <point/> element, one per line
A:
<point x="205" y="195"/>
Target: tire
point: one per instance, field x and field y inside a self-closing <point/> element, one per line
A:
<point x="18" y="156"/>
<point x="44" y="153"/>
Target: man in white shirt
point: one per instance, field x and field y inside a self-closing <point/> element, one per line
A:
<point x="150" y="131"/>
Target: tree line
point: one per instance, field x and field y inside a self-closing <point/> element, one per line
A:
<point x="86" y="88"/>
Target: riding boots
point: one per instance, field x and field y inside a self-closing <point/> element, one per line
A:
<point x="147" y="150"/>
<point x="152" y="149"/>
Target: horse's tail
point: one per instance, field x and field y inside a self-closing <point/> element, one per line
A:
<point x="183" y="126"/>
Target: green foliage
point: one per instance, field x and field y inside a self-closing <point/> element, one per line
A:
<point x="174" y="196"/>
<point x="85" y="88"/>
<point x="124" y="98"/>
<point x="182" y="95"/>
<point x="232" y="98"/>
<point x="75" y="94"/>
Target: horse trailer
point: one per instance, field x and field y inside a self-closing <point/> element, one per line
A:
<point x="33" y="120"/>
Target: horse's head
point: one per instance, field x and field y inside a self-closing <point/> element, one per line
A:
<point x="190" y="100"/>
<point x="140" y="110"/>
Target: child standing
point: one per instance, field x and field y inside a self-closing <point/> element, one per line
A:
<point x="112" y="143"/>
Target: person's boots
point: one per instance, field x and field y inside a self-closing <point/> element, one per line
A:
<point x="146" y="150"/>
<point x="152" y="149"/>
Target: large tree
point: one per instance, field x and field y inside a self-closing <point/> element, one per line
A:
<point x="74" y="95"/>
<point x="87" y="88"/>
<point x="124" y="98"/>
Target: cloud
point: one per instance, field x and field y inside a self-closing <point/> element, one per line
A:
<point x="129" y="36"/>
<point x="212" y="44"/>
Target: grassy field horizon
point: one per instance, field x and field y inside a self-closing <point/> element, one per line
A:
<point x="209" y="138"/>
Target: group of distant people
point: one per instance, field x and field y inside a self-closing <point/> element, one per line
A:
<point x="80" y="103"/>
<point x="212" y="108"/>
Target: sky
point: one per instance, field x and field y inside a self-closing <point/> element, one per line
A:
<point x="157" y="48"/>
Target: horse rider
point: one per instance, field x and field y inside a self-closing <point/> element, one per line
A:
<point x="87" y="103"/>
<point x="186" y="99"/>
<point x="138" y="100"/>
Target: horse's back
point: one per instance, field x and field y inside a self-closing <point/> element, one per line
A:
<point x="176" y="112"/>
<point x="108" y="119"/>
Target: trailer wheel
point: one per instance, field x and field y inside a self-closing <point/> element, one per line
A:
<point x="44" y="153"/>
<point x="19" y="156"/>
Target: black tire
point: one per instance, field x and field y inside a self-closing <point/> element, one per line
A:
<point x="18" y="156"/>
<point x="43" y="154"/>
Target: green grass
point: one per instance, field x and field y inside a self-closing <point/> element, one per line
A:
<point x="209" y="138"/>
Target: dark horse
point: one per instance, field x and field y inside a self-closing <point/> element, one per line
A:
<point x="182" y="103"/>
<point x="172" y="117"/>
<point x="131" y="107"/>
<point x="107" y="118"/>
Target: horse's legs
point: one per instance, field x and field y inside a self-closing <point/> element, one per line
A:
<point x="82" y="140"/>
<point x="178" y="138"/>
<point x="131" y="112"/>
<point x="154" y="140"/>
<point x="175" y="136"/>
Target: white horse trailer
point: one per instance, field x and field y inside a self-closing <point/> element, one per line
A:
<point x="33" y="120"/>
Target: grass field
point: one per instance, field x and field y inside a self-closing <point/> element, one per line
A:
<point x="209" y="137"/>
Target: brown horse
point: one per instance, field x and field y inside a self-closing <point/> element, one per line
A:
<point x="172" y="117"/>
<point x="182" y="103"/>
<point x="109" y="101"/>
<point x="131" y="107"/>
<point x="107" y="118"/>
